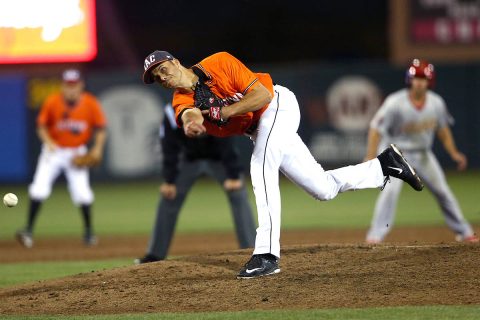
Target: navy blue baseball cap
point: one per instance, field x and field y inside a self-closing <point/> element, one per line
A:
<point x="153" y="60"/>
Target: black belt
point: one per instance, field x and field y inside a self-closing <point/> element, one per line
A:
<point x="414" y="150"/>
<point x="251" y="130"/>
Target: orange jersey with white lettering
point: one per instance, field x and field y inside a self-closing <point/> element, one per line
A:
<point x="230" y="80"/>
<point x="71" y="126"/>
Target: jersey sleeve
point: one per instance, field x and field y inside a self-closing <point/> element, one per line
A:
<point x="45" y="109"/>
<point x="180" y="103"/>
<point x="444" y="117"/>
<point x="384" y="117"/>
<point x="227" y="68"/>
<point x="171" y="147"/>
<point x="98" y="117"/>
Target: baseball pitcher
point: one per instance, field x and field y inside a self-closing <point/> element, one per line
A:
<point x="65" y="124"/>
<point x="410" y="118"/>
<point x="220" y="96"/>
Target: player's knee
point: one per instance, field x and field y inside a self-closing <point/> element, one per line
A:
<point x="85" y="198"/>
<point x="324" y="196"/>
<point x="39" y="193"/>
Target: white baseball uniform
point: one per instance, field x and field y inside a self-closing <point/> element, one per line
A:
<point x="412" y="130"/>
<point x="279" y="147"/>
<point x="71" y="127"/>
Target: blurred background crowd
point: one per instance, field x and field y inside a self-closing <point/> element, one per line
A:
<point x="341" y="58"/>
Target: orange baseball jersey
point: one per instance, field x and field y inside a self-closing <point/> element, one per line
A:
<point x="71" y="126"/>
<point x="230" y="80"/>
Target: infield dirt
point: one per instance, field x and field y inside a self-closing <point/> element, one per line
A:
<point x="314" y="274"/>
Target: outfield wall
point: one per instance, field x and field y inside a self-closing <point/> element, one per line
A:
<point x="337" y="102"/>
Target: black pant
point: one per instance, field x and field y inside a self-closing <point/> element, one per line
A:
<point x="168" y="210"/>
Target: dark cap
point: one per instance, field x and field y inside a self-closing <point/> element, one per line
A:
<point x="71" y="76"/>
<point x="153" y="60"/>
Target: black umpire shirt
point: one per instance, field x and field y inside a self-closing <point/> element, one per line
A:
<point x="178" y="147"/>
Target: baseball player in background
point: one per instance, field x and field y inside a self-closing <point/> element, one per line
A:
<point x="220" y="96"/>
<point x="185" y="160"/>
<point x="410" y="118"/>
<point x="65" y="124"/>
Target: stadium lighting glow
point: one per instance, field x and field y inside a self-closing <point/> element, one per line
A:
<point x="47" y="31"/>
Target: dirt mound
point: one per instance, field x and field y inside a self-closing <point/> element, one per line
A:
<point x="321" y="276"/>
<point x="132" y="246"/>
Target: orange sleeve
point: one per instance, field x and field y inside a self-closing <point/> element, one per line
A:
<point x="181" y="102"/>
<point x="45" y="109"/>
<point x="226" y="68"/>
<point x="98" y="117"/>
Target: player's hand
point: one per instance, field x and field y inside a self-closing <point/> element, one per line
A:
<point x="193" y="129"/>
<point x="96" y="154"/>
<point x="232" y="184"/>
<point x="51" y="146"/>
<point x="218" y="115"/>
<point x="461" y="160"/>
<point x="168" y="191"/>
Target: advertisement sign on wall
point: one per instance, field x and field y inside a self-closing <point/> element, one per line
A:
<point x="33" y="31"/>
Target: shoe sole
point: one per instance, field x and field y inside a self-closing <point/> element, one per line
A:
<point x="373" y="241"/>
<point x="397" y="151"/>
<point x="261" y="275"/>
<point x="460" y="238"/>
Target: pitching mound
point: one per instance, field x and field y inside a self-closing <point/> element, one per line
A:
<point x="322" y="276"/>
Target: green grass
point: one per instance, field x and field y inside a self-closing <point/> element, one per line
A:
<point x="129" y="208"/>
<point x="397" y="313"/>
<point x="14" y="273"/>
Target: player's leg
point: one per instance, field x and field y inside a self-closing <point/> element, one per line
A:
<point x="299" y="165"/>
<point x="435" y="180"/>
<point x="82" y="196"/>
<point x="239" y="205"/>
<point x="384" y="212"/>
<point x="168" y="211"/>
<point x="277" y="122"/>
<point x="47" y="170"/>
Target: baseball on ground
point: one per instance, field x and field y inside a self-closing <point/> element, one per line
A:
<point x="10" y="200"/>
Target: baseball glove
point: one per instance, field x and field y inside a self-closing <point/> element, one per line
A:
<point x="86" y="160"/>
<point x="205" y="99"/>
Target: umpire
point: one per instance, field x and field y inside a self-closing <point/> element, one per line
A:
<point x="185" y="160"/>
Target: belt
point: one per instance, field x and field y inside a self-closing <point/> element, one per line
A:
<point x="414" y="149"/>
<point x="251" y="130"/>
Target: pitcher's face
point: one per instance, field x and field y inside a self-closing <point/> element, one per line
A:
<point x="168" y="74"/>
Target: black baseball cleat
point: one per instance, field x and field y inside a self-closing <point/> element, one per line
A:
<point x="259" y="265"/>
<point x="395" y="165"/>
<point x="146" y="259"/>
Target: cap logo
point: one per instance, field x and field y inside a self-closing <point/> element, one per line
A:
<point x="148" y="61"/>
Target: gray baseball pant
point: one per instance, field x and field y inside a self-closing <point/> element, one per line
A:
<point x="429" y="170"/>
<point x="168" y="210"/>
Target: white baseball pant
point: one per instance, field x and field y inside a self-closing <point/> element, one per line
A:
<point x="51" y="164"/>
<point x="279" y="147"/>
